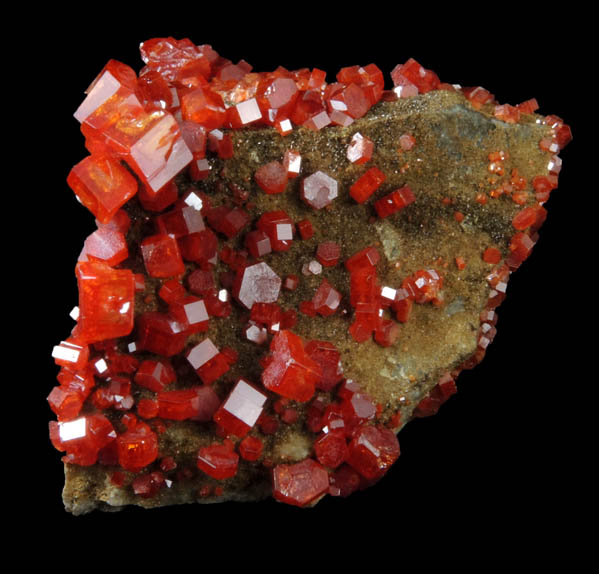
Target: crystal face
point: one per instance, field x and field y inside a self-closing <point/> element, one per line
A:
<point x="285" y="270"/>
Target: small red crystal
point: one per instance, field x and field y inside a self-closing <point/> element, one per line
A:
<point x="250" y="448"/>
<point x="272" y="177"/>
<point x="218" y="461"/>
<point x="394" y="202"/>
<point x="360" y="149"/>
<point x="241" y="409"/>
<point x="372" y="451"/>
<point x="367" y="184"/>
<point x="137" y="447"/>
<point x="318" y="190"/>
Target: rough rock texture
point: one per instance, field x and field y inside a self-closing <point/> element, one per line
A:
<point x="446" y="169"/>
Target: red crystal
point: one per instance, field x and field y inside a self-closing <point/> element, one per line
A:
<point x="423" y="286"/>
<point x="102" y="185"/>
<point x="292" y="161"/>
<point x="301" y="483"/>
<point x="367" y="258"/>
<point x="107" y="245"/>
<point x="328" y="253"/>
<point x="148" y="485"/>
<point x="200" y="281"/>
<point x="179" y="405"/>
<point x="279" y="228"/>
<point x="368" y="183"/>
<point x="360" y="149"/>
<point x="331" y="448"/>
<point x="160" y="334"/>
<point x="191" y="313"/>
<point x="209" y="363"/>
<point x="137" y="447"/>
<point x="290" y="371"/>
<point x="71" y="353"/>
<point x="256" y="283"/>
<point x="529" y="217"/>
<point x="305" y="228"/>
<point x="171" y="291"/>
<point x="147" y="408"/>
<point x="272" y="177"/>
<point x="328" y="357"/>
<point x="491" y="255"/>
<point x="250" y="448"/>
<point x="394" y="202"/>
<point x="200" y="247"/>
<point x="372" y="451"/>
<point x="218" y="461"/>
<point x="257" y="243"/>
<point x="413" y="73"/>
<point x="106" y="299"/>
<point x="318" y="190"/>
<point x="407" y="142"/>
<point x="180" y="221"/>
<point x="241" y="409"/>
<point x="326" y="300"/>
<point x="429" y="405"/>
<point x="161" y="256"/>
<point x="204" y="107"/>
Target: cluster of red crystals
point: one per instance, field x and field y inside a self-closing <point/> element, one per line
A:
<point x="411" y="79"/>
<point x="66" y="399"/>
<point x="175" y="116"/>
<point x="82" y="438"/>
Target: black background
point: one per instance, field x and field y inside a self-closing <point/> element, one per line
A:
<point x="498" y="458"/>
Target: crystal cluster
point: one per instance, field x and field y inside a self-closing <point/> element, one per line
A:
<point x="169" y="270"/>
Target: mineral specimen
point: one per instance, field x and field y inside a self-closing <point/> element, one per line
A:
<point x="285" y="271"/>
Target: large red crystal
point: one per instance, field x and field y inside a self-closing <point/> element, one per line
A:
<point x="106" y="301"/>
<point x="301" y="483"/>
<point x="290" y="371"/>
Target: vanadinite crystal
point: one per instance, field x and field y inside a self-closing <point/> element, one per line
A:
<point x="269" y="245"/>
